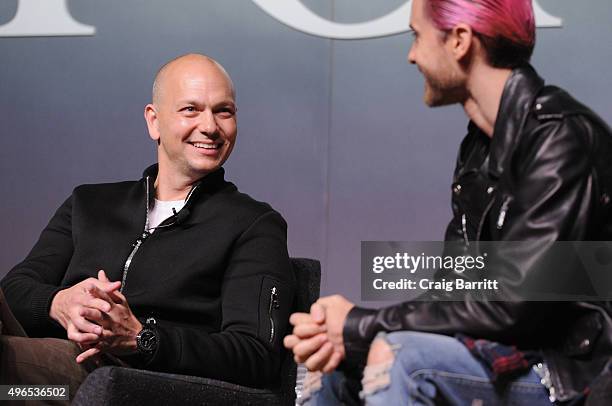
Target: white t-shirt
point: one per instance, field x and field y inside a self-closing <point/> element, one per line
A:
<point x="162" y="209"/>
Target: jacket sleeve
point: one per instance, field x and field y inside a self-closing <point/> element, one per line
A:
<point x="553" y="197"/>
<point x="31" y="285"/>
<point x="256" y="299"/>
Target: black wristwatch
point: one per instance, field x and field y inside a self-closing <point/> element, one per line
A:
<point x="148" y="338"/>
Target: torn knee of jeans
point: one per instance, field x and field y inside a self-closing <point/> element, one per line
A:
<point x="377" y="373"/>
<point x="376" y="377"/>
<point x="312" y="384"/>
<point x="381" y="351"/>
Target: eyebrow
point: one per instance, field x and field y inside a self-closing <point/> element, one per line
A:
<point x="193" y="101"/>
<point x="225" y="103"/>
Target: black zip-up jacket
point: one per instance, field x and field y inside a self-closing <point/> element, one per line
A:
<point x="544" y="176"/>
<point x="216" y="276"/>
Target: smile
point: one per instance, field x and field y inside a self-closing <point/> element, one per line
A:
<point x="205" y="145"/>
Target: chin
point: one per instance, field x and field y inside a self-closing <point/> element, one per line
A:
<point x="439" y="99"/>
<point x="202" y="170"/>
<point x="432" y="100"/>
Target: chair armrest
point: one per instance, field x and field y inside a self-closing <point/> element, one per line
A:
<point x="119" y="386"/>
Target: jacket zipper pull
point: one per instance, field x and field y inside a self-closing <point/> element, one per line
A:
<point x="141" y="239"/>
<point x="502" y="213"/>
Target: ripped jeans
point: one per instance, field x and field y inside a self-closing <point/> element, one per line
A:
<point x="428" y="369"/>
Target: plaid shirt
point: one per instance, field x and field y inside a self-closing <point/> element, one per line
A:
<point x="503" y="362"/>
<point x="500" y="361"/>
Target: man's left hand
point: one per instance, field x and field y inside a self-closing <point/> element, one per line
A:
<point x="120" y="327"/>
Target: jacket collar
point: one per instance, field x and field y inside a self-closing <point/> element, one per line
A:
<point x="207" y="184"/>
<point x="519" y="94"/>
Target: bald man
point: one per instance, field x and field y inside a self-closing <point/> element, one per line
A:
<point x="177" y="272"/>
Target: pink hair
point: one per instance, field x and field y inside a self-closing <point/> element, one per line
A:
<point x="503" y="22"/>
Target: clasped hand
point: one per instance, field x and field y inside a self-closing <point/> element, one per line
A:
<point x="317" y="336"/>
<point x="96" y="316"/>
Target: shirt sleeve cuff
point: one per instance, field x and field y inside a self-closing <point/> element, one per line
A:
<point x="356" y="335"/>
<point x="41" y="305"/>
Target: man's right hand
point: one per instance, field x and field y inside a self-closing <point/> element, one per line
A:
<point x="72" y="307"/>
<point x="317" y="339"/>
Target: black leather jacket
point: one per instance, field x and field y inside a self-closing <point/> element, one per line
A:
<point x="544" y="176"/>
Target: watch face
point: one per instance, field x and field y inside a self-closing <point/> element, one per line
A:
<point x="147" y="340"/>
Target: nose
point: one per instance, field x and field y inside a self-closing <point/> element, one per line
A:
<point x="412" y="55"/>
<point x="207" y="124"/>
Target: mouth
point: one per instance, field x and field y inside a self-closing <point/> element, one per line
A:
<point x="207" y="145"/>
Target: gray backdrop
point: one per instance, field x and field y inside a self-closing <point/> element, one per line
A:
<point x="332" y="133"/>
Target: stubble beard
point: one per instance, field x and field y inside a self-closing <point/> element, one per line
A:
<point x="443" y="91"/>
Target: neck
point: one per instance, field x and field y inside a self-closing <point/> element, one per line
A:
<point x="172" y="185"/>
<point x="485" y="88"/>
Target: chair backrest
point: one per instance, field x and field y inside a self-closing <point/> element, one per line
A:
<point x="308" y="284"/>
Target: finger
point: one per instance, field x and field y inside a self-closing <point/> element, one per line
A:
<point x="305" y="348"/>
<point x="318" y="360"/>
<point x="85" y="326"/>
<point x="102" y="276"/>
<point x="91" y="314"/>
<point x="100" y="294"/>
<point x="307" y="330"/>
<point x="107" y="335"/>
<point x="317" y="311"/>
<point x="98" y="304"/>
<point x="333" y="362"/>
<point x="104" y="286"/>
<point x="290" y="341"/>
<point x="115" y="294"/>
<point x="78" y="337"/>
<point x="82" y="357"/>
<point x="118" y="297"/>
<point x="111" y="286"/>
<point x="298" y="318"/>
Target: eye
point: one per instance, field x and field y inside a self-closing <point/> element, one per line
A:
<point x="226" y="112"/>
<point x="189" y="109"/>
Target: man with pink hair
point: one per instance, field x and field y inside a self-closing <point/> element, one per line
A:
<point x="535" y="168"/>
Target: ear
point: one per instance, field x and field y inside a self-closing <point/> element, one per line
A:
<point x="461" y="41"/>
<point x="152" y="119"/>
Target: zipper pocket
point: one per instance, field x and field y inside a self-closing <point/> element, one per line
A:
<point x="273" y="306"/>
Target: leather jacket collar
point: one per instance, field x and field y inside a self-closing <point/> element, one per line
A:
<point x="519" y="94"/>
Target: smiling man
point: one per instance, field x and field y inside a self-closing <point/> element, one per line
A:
<point x="175" y="272"/>
<point x="535" y="168"/>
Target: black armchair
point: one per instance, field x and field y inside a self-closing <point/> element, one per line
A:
<point x="119" y="386"/>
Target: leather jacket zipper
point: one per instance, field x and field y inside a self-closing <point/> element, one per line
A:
<point x="483" y="218"/>
<point x="502" y="212"/>
<point x="464" y="230"/>
<point x="273" y="305"/>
